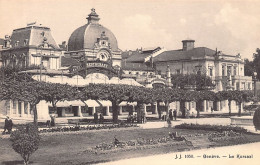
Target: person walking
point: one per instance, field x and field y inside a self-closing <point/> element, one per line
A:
<point x="170" y="115"/>
<point x="175" y="114"/>
<point x="8" y="125"/>
<point x="101" y="118"/>
<point x="95" y="117"/>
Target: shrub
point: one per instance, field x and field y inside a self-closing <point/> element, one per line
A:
<point x="25" y="140"/>
<point x="256" y="119"/>
<point x="218" y="128"/>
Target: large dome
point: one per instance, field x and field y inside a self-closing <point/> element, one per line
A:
<point x="86" y="36"/>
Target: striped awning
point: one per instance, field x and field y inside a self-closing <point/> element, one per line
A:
<point x="76" y="103"/>
<point x="105" y="103"/>
<point x="63" y="104"/>
<point x="125" y="103"/>
<point x="92" y="103"/>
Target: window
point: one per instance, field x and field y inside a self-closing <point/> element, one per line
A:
<point x="249" y="86"/>
<point x="234" y="70"/>
<point x="16" y="43"/>
<point x="210" y="71"/>
<point x="178" y="71"/>
<point x="25" y="42"/>
<point x="223" y="70"/>
<point x="229" y="70"/>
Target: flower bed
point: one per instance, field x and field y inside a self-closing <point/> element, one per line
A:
<point x="139" y="144"/>
<point x="225" y="135"/>
<point x="92" y="127"/>
<point x="217" y="128"/>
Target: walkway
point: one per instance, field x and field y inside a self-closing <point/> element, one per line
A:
<point x="201" y="157"/>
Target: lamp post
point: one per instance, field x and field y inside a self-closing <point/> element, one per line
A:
<point x="254" y="79"/>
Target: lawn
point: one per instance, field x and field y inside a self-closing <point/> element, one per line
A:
<point x="70" y="148"/>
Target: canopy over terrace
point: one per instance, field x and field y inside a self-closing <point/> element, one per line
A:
<point x="96" y="78"/>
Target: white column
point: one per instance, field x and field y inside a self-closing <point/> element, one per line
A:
<point x="11" y="108"/>
<point x="190" y="106"/>
<point x="204" y="105"/>
<point x="22" y="109"/>
<point x="107" y="111"/>
<point x="226" y="109"/>
<point x="29" y="110"/>
<point x="94" y="110"/>
<point x="145" y="111"/>
<point x="225" y="70"/>
<point x="120" y="110"/>
<point x="156" y="108"/>
<point x="79" y="112"/>
<point x="218" y="106"/>
<point x="17" y="112"/>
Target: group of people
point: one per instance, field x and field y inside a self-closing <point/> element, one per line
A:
<point x="99" y="120"/>
<point x="8" y="125"/>
<point x="131" y="118"/>
<point x="172" y="114"/>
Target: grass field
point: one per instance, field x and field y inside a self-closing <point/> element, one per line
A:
<point x="69" y="148"/>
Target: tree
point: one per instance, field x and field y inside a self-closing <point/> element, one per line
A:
<point x="256" y="62"/>
<point x="249" y="67"/>
<point x="256" y="119"/>
<point x="238" y="96"/>
<point x="142" y="96"/>
<point x="25" y="141"/>
<point x="200" y="96"/>
<point x="29" y="91"/>
<point x="199" y="81"/>
<point x="114" y="93"/>
<point x="55" y="92"/>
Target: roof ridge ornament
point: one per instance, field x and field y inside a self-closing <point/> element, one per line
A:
<point x="93" y="17"/>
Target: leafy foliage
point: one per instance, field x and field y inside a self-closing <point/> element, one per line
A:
<point x="25" y="140"/>
<point x="200" y="81"/>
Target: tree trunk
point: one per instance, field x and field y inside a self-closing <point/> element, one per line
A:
<point x="239" y="109"/>
<point x="182" y="107"/>
<point x="139" y="112"/>
<point x="35" y="114"/>
<point x="198" y="108"/>
<point x="115" y="111"/>
<point x="229" y="107"/>
<point x="167" y="109"/>
<point x="159" y="110"/>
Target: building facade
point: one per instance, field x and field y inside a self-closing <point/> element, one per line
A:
<point x="31" y="45"/>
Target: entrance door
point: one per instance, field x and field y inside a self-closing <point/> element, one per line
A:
<point x="75" y="110"/>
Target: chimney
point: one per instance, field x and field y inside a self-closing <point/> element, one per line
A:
<point x="7" y="41"/>
<point x="187" y="44"/>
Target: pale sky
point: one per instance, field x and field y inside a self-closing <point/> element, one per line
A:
<point x="231" y="26"/>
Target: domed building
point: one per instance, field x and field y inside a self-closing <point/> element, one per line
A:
<point x="95" y="48"/>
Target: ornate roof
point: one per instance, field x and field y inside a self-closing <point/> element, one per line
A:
<point x="33" y="36"/>
<point x="87" y="35"/>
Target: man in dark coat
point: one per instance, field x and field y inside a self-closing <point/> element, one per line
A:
<point x="101" y="118"/>
<point x="175" y="114"/>
<point x="170" y="115"/>
<point x="8" y="125"/>
<point x="95" y="117"/>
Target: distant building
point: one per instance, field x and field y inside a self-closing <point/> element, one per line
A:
<point x="225" y="70"/>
